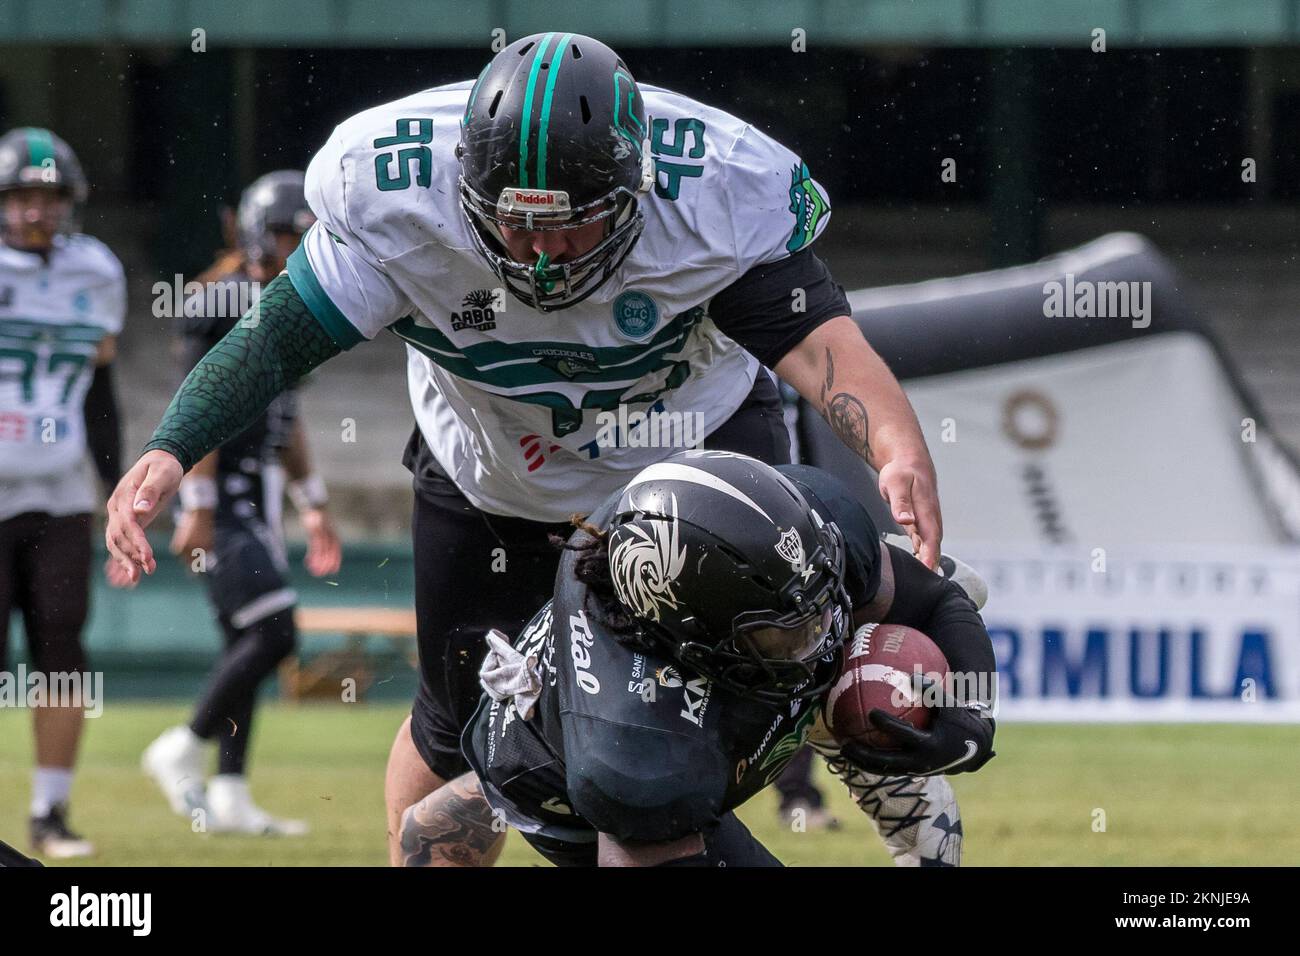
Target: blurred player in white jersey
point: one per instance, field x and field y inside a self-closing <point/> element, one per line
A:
<point x="62" y="303"/>
<point x="589" y="275"/>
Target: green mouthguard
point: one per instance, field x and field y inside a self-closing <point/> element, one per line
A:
<point x="539" y="270"/>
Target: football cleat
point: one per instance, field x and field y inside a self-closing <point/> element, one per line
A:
<point x="51" y="836"/>
<point x="916" y="817"/>
<point x="231" y="810"/>
<point x="176" y="763"/>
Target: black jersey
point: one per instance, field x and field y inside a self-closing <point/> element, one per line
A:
<point x="241" y="488"/>
<point x="628" y="743"/>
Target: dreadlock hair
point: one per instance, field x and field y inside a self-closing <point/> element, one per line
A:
<point x="592" y="568"/>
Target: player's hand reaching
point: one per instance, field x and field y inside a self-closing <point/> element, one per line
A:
<point x="135" y="502"/>
<point x="910" y="487"/>
<point x="960" y="740"/>
<point x="324" y="551"/>
<point x="115" y="573"/>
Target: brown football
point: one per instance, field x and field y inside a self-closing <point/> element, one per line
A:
<point x="877" y="668"/>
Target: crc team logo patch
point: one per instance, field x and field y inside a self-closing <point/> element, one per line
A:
<point x="809" y="206"/>
<point x="790" y="548"/>
<point x="635" y="314"/>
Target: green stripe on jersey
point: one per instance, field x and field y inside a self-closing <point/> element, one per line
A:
<point x="308" y="287"/>
<point x="34" y="329"/>
<point x="510" y="365"/>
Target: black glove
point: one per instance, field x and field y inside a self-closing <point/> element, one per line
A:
<point x="959" y="740"/>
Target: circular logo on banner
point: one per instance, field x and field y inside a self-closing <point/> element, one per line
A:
<point x="636" y="314"/>
<point x="1029" y="419"/>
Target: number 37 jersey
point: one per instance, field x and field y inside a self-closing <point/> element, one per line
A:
<point x="53" y="315"/>
<point x="536" y="414"/>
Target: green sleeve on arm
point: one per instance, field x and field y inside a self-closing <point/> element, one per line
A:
<point x="276" y="344"/>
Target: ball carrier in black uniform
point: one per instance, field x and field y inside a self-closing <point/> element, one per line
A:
<point x="230" y="519"/>
<point x="682" y="663"/>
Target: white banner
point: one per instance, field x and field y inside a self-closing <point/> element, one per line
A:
<point x="1170" y="634"/>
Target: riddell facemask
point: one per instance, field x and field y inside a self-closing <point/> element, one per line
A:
<point x="546" y="285"/>
<point x="554" y="136"/>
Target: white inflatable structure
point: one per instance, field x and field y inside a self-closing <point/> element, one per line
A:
<point x="1104" y="467"/>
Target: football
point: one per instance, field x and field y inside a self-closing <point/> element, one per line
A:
<point x="877" y="670"/>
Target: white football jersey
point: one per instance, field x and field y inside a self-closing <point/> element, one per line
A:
<point x="540" y="414"/>
<point x="53" y="315"/>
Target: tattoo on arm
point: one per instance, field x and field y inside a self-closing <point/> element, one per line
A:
<point x="848" y="419"/>
<point x="450" y="827"/>
<point x="830" y="376"/>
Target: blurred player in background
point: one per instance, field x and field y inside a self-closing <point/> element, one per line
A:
<point x="62" y="303"/>
<point x="685" y="658"/>
<point x="551" y="242"/>
<point x="230" y="522"/>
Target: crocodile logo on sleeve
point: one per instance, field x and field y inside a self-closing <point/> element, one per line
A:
<point x="809" y="206"/>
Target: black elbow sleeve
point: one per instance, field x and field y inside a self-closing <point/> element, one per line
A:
<point x="103" y="426"/>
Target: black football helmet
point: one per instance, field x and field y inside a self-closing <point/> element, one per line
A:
<point x="36" y="158"/>
<point x="729" y="571"/>
<point x="272" y="203"/>
<point x="554" y="136"/>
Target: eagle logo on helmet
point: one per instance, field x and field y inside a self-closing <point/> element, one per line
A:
<point x="646" y="564"/>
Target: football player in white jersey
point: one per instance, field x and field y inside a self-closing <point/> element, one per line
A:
<point x="62" y="302"/>
<point x="588" y="274"/>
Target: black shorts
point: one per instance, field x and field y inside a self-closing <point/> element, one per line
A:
<point x="249" y="578"/>
<point x="45" y="574"/>
<point x="459" y="596"/>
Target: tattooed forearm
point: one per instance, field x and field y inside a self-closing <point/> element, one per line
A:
<point x="846" y="413"/>
<point x="453" y="826"/>
<point x="830" y="376"/>
<point x="848" y="419"/>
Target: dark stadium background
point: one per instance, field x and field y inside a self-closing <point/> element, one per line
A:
<point x="1031" y="128"/>
<point x="1054" y="145"/>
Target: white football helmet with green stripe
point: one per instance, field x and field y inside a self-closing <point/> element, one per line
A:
<point x="32" y="158"/>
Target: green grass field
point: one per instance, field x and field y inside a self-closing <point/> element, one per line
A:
<point x="1172" y="795"/>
